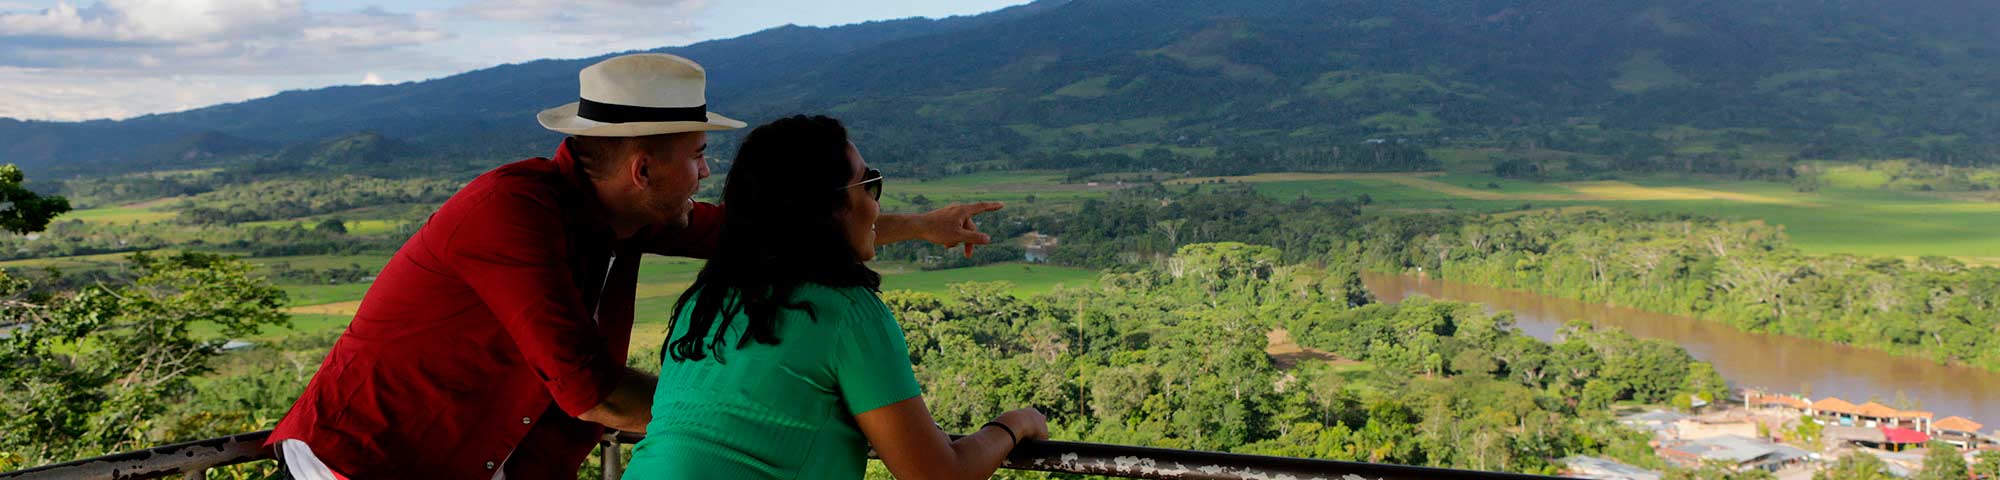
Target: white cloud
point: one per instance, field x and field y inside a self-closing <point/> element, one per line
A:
<point x="154" y="20"/>
<point x="90" y="94"/>
<point x="598" y="21"/>
<point x="208" y="36"/>
<point x="85" y="59"/>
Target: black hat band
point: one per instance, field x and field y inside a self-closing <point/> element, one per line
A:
<point x="615" y="113"/>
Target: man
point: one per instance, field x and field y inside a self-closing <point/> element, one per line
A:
<point x="493" y="344"/>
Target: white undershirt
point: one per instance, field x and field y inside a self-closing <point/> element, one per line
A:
<point x="299" y="460"/>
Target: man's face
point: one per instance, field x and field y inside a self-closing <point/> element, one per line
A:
<point x="675" y="170"/>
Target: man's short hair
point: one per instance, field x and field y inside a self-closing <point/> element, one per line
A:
<point x="596" y="155"/>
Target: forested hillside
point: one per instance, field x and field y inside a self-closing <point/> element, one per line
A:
<point x="1746" y="274"/>
<point x="1741" y="88"/>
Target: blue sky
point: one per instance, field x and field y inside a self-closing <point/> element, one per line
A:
<point x="90" y="59"/>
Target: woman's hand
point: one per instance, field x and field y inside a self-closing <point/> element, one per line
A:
<point x="1028" y="424"/>
<point x="915" y="449"/>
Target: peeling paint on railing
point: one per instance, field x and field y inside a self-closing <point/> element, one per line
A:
<point x="1161" y="463"/>
<point x="194" y="458"/>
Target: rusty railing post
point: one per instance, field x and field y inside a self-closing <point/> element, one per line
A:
<point x="609" y="451"/>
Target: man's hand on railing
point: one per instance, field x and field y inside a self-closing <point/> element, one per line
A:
<point x="630" y="405"/>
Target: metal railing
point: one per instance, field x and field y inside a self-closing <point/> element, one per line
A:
<point x="193" y="459"/>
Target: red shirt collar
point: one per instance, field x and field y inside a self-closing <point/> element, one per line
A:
<point x="566" y="164"/>
<point x="595" y="216"/>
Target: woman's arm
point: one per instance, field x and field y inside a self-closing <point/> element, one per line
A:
<point x="913" y="447"/>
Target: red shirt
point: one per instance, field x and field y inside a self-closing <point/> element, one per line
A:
<point x="478" y="339"/>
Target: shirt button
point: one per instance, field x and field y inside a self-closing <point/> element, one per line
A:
<point x="525" y="421"/>
<point x="489" y="465"/>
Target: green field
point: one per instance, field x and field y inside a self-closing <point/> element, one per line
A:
<point x="354" y="227"/>
<point x="119" y="215"/>
<point x="67" y="263"/>
<point x="662" y="279"/>
<point x="1834" y="219"/>
<point x="1862" y="221"/>
<point x="1009" y="186"/>
<point x="371" y="262"/>
<point x="301" y="295"/>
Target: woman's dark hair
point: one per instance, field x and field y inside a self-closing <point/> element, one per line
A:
<point x="782" y="229"/>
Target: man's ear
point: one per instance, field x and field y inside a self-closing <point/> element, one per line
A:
<point x="639" y="172"/>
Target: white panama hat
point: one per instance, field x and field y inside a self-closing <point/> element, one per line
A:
<point x="638" y="95"/>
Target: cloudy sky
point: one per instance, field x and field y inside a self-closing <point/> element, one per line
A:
<point x="90" y="59"/>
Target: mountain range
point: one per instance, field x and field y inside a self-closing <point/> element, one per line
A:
<point x="1659" y="85"/>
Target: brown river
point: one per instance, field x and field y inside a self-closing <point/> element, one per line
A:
<point x="1772" y="362"/>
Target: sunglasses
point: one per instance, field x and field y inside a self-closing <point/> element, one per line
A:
<point x="870" y="180"/>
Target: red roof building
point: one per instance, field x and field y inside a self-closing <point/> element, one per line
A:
<point x="1904" y="436"/>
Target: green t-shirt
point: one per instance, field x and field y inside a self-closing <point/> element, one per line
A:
<point x="780" y="411"/>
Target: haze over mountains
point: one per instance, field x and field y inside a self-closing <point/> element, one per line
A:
<point x="1742" y="87"/>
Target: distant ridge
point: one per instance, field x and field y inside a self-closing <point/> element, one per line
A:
<point x="1672" y="85"/>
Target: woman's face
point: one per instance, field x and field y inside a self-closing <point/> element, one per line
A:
<point x="859" y="217"/>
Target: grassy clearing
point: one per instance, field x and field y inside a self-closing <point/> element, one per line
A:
<point x="78" y="262"/>
<point x="1134" y="150"/>
<point x="304" y="295"/>
<point x="1833" y="220"/>
<point x="1092" y="87"/>
<point x="371" y="262"/>
<point x="119" y="215"/>
<point x="155" y="203"/>
<point x="301" y="323"/>
<point x="1028" y="279"/>
<point x="1408" y="191"/>
<point x="658" y="269"/>
<point x="1862" y="221"/>
<point x="1008" y="186"/>
<point x="1556" y="210"/>
<point x="1436" y="185"/>
<point x="339" y="308"/>
<point x="1300" y="177"/>
<point x="1481" y="181"/>
<point x="354" y="227"/>
<point x="1622" y="191"/>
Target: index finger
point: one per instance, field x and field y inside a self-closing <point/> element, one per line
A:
<point x="981" y="207"/>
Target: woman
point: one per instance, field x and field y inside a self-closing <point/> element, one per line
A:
<point x="782" y="361"/>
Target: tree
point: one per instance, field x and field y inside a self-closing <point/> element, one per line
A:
<point x="1856" y="466"/>
<point x="1988" y="466"/>
<point x="1942" y="462"/>
<point x="145" y="340"/>
<point x="1703" y="381"/>
<point x="24" y="211"/>
<point x="331" y="225"/>
<point x="1599" y="394"/>
<point x="1808" y="430"/>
